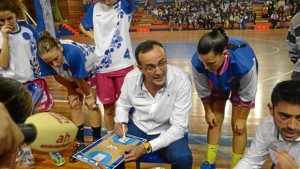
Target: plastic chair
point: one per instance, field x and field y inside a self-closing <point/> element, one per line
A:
<point x="153" y="157"/>
<point x="36" y="93"/>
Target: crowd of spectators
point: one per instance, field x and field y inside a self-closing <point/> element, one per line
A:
<point x="203" y="15"/>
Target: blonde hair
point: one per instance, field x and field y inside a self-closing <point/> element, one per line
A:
<point x="46" y="43"/>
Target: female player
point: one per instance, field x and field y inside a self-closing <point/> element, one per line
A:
<point x="73" y="65"/>
<point x="224" y="67"/>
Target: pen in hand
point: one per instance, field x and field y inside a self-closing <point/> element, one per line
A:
<point x="123" y="128"/>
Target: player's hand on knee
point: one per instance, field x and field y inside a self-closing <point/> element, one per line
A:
<point x="90" y="101"/>
<point x="211" y="119"/>
<point x="73" y="100"/>
<point x="240" y="126"/>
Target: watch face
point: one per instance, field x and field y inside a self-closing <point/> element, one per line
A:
<point x="147" y="147"/>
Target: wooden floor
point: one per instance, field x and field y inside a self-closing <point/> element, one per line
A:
<point x="274" y="66"/>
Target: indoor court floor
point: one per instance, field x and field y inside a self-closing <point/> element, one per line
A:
<point x="274" y="66"/>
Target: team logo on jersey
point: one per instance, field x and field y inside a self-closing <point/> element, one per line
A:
<point x="140" y="95"/>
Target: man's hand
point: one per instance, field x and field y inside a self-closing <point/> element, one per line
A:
<point x="11" y="136"/>
<point x="285" y="161"/>
<point x="134" y="152"/>
<point x="119" y="129"/>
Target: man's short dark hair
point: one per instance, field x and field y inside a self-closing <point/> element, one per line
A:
<point x="286" y="91"/>
<point x="145" y="47"/>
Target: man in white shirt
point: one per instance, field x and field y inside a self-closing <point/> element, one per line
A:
<point x="161" y="95"/>
<point x="278" y="135"/>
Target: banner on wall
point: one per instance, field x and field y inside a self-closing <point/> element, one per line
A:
<point x="44" y="16"/>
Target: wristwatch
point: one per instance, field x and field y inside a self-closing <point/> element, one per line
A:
<point x="147" y="147"/>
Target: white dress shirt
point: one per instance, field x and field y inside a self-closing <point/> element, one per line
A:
<point x="166" y="114"/>
<point x="266" y="142"/>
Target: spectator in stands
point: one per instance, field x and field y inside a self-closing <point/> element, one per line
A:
<point x="282" y="20"/>
<point x="244" y="20"/>
<point x="293" y="42"/>
<point x="295" y="9"/>
<point x="154" y="13"/>
<point x="231" y="21"/>
<point x="265" y="12"/>
<point x="253" y="15"/>
<point x="274" y="19"/>
<point x="281" y="3"/>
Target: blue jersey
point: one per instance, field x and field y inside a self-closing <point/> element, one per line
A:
<point x="78" y="62"/>
<point x="238" y="72"/>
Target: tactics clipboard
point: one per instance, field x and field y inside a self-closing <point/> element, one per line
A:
<point x="108" y="150"/>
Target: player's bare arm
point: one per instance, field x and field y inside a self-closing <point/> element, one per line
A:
<point x="4" y="52"/>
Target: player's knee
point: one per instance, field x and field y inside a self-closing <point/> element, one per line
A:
<point x="75" y="104"/>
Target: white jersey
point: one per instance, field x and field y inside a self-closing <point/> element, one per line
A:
<point x="266" y="142"/>
<point x="23" y="54"/>
<point x="111" y="32"/>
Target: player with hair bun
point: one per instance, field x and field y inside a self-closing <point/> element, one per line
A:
<point x="224" y="67"/>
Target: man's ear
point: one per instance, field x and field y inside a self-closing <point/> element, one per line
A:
<point x="271" y="110"/>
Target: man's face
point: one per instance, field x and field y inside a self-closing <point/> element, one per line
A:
<point x="154" y="66"/>
<point x="287" y="120"/>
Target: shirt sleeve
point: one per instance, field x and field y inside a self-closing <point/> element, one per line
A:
<point x="127" y="6"/>
<point x="87" y="20"/>
<point x="179" y="118"/>
<point x="201" y="80"/>
<point x="76" y="60"/>
<point x="293" y="39"/>
<point x="258" y="151"/>
<point x="248" y="86"/>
